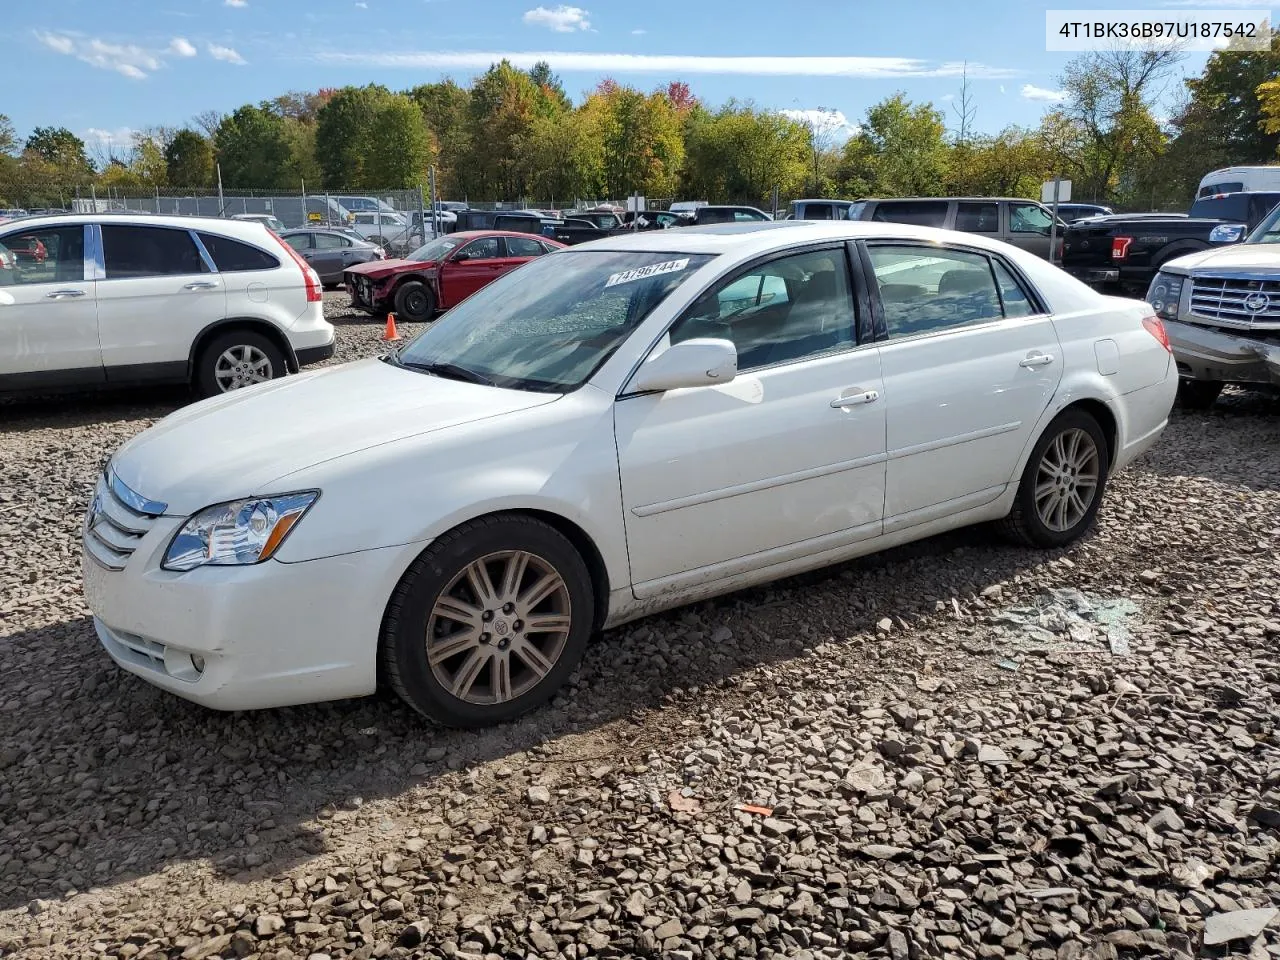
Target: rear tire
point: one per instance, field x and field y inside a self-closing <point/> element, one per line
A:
<point x="1198" y="394"/>
<point x="460" y="639"/>
<point x="237" y="359"/>
<point x="414" y="302"/>
<point x="1062" y="484"/>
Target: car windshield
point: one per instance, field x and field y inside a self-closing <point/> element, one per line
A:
<point x="1268" y="231"/>
<point x="437" y="249"/>
<point x="549" y="324"/>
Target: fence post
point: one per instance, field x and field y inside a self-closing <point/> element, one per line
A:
<point x="221" y="207"/>
<point x="435" y="212"/>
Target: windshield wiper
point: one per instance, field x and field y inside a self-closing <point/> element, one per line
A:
<point x="450" y="371"/>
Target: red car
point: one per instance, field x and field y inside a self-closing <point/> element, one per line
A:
<point x="29" y="250"/>
<point x="442" y="273"/>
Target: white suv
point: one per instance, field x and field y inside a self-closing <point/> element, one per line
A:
<point x="103" y="299"/>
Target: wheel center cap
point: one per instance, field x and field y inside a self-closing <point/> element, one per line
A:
<point x="502" y="628"/>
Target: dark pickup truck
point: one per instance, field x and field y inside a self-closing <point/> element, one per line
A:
<point x="1126" y="250"/>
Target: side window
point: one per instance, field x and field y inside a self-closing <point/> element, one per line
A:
<point x="47" y="255"/>
<point x="1029" y="218"/>
<point x="331" y="241"/>
<point x="978" y="217"/>
<point x="486" y="248"/>
<point x="818" y="211"/>
<point x="785" y="310"/>
<point x="746" y="216"/>
<point x="230" y="256"/>
<point x="299" y="241"/>
<point x="1016" y="301"/>
<point x="132" y="252"/>
<point x="524" y="247"/>
<point x="922" y="213"/>
<point x="926" y="289"/>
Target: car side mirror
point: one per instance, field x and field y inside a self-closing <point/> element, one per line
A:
<point x="701" y="362"/>
<point x="459" y="257"/>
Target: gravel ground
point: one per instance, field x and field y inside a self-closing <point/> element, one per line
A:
<point x="922" y="774"/>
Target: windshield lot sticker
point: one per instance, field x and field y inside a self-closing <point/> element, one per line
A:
<point x="643" y="273"/>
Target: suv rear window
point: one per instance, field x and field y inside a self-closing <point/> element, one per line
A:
<point x="922" y="213"/>
<point x="130" y="251"/>
<point x="230" y="255"/>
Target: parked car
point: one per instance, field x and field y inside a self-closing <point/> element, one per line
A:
<point x="652" y="219"/>
<point x="217" y="303"/>
<point x="268" y="220"/>
<point x="685" y="208"/>
<point x="516" y="221"/>
<point x="1222" y="310"/>
<point x="330" y="252"/>
<point x="602" y="219"/>
<point x="441" y="273"/>
<point x="1247" y="179"/>
<point x="820" y="209"/>
<point x="366" y="205"/>
<point x="446" y="221"/>
<point x="391" y="231"/>
<point x="708" y="214"/>
<point x="12" y="213"/>
<point x="610" y="431"/>
<point x="1071" y="212"/>
<point x="28" y="249"/>
<point x="1127" y="251"/>
<point x="1023" y="223"/>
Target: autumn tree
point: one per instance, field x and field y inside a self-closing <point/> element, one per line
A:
<point x="61" y="149"/>
<point x="501" y="110"/>
<point x="445" y="109"/>
<point x="741" y="153"/>
<point x="8" y="136"/>
<point x="900" y="149"/>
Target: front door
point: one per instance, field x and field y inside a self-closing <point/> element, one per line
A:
<point x="332" y="254"/>
<point x="785" y="461"/>
<point x="49" y="313"/>
<point x="970" y="363"/>
<point x="156" y="297"/>
<point x="469" y="268"/>
<point x="1030" y="226"/>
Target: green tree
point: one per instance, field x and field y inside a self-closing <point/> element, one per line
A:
<point x="399" y="146"/>
<point x="189" y="157"/>
<point x="567" y="161"/>
<point x="640" y="137"/>
<point x="344" y="126"/>
<point x="301" y="138"/>
<point x="553" y="96"/>
<point x="61" y="148"/>
<point x="252" y="147"/>
<point x="740" y="153"/>
<point x="502" y="108"/>
<point x="445" y="108"/>
<point x="8" y="137"/>
<point x="906" y="144"/>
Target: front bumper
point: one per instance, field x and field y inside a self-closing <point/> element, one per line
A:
<point x="243" y="638"/>
<point x="363" y="293"/>
<point x="1206" y="354"/>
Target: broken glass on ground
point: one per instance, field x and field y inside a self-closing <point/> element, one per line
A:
<point x="1063" y="620"/>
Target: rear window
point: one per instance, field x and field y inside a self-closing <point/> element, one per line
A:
<point x="1229" y="186"/>
<point x="230" y="256"/>
<point x="1234" y="207"/>
<point x="922" y="213"/>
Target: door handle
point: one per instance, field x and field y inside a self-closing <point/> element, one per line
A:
<point x="63" y="294"/>
<point x="854" y="400"/>
<point x="1036" y="360"/>
<point x="201" y="285"/>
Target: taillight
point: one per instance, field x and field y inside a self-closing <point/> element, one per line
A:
<point x="1155" y="327"/>
<point x="1120" y="247"/>
<point x="314" y="292"/>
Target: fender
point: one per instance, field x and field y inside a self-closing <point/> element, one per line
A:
<point x="265" y="327"/>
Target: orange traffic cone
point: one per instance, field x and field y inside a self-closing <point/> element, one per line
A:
<point x="391" y="328"/>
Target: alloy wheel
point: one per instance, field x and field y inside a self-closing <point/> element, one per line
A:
<point x="1067" y="480"/>
<point x="241" y="366"/>
<point x="499" y="627"/>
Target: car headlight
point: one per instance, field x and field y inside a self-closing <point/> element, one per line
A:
<point x="1226" y="233"/>
<point x="1164" y="294"/>
<point x="238" y="533"/>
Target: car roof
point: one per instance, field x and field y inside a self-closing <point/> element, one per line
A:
<point x="748" y="239"/>
<point x="945" y="199"/>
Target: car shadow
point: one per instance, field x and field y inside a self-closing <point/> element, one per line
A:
<point x="108" y="405"/>
<point x="149" y="780"/>
<point x="1223" y="443"/>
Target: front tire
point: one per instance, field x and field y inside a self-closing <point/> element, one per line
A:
<point x="414" y="302"/>
<point x="1198" y="394"/>
<point x="488" y="622"/>
<point x="237" y="359"/>
<point x="1062" y="484"/>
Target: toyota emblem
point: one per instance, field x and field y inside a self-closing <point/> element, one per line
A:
<point x="1257" y="302"/>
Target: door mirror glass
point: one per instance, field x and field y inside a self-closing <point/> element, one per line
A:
<point x="702" y="362"/>
<point x="460" y="256"/>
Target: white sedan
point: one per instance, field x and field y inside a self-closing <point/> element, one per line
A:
<point x="612" y="430"/>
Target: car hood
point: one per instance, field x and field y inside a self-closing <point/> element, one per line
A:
<point x="1237" y="256"/>
<point x="241" y="443"/>
<point x="376" y="269"/>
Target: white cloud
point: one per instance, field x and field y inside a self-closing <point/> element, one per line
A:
<point x="562" y="19"/>
<point x="360" y="4"/>
<point x="617" y="63"/>
<point x="1002" y="88"/>
<point x="225" y="53"/>
<point x="127" y="59"/>
<point x="832" y="122"/>
<point x="948" y="97"/>
<point x="236" y="3"/>
<point x="121" y="138"/>
<point x="1032" y="92"/>
<point x="182" y="47"/>
<point x="638" y="32"/>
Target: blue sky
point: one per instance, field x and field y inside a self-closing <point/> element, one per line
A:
<point x="105" y="67"/>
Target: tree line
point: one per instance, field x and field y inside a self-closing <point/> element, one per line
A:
<point x="514" y="134"/>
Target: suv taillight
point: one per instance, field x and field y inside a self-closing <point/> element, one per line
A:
<point x="1155" y="327"/>
<point x="1120" y="247"/>
<point x="314" y="292"/>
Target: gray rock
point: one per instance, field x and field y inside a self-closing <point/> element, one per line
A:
<point x="539" y="795"/>
<point x="1238" y="925"/>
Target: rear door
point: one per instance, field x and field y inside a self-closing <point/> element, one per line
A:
<point x="970" y="362"/>
<point x="158" y="293"/>
<point x="49" y="313"/>
<point x="520" y="250"/>
<point x="922" y="213"/>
